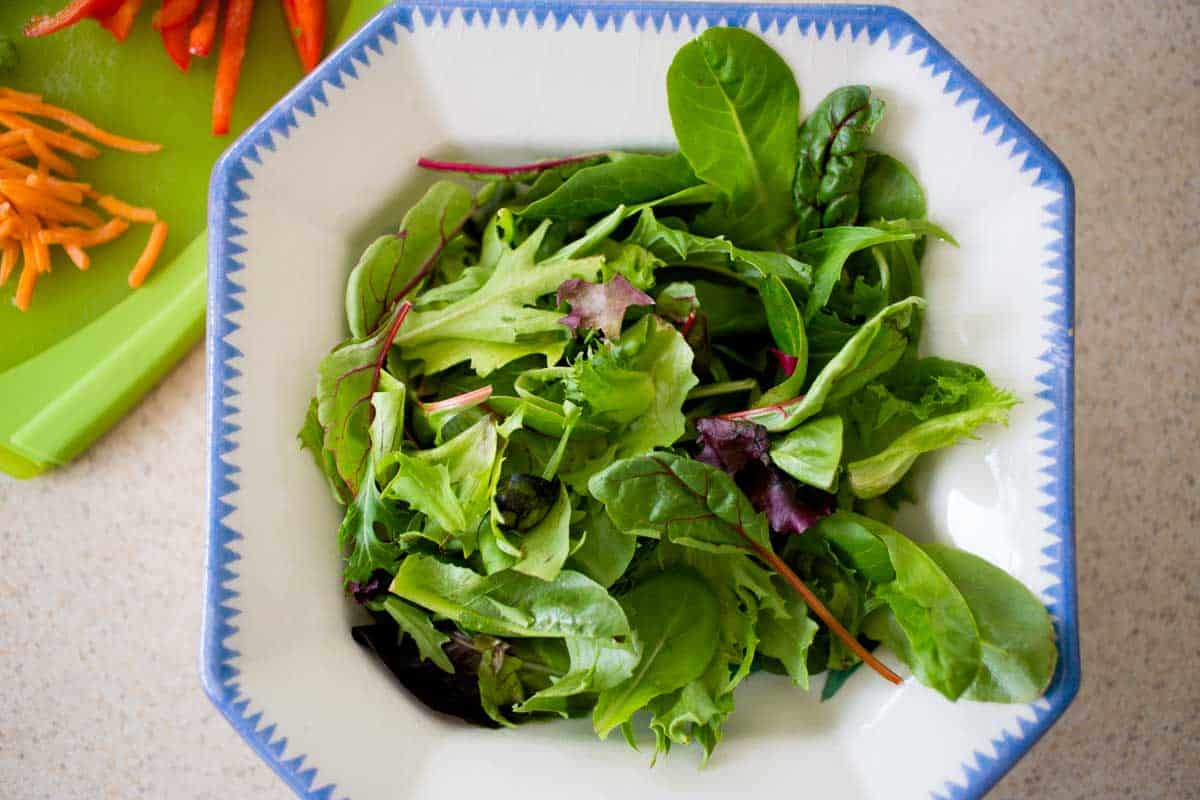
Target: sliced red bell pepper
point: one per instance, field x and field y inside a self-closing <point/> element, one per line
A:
<point x="175" y="40"/>
<point x="205" y="31"/>
<point x="73" y="12"/>
<point x="174" y="12"/>
<point x="306" y="24"/>
<point x="120" y="22"/>
<point x="229" y="63"/>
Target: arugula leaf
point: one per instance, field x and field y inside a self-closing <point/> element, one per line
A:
<point x="811" y="452"/>
<point x="625" y="179"/>
<point x="927" y="622"/>
<point x="596" y="665"/>
<point x="674" y="617"/>
<point x="368" y="532"/>
<point x="679" y="246"/>
<point x="600" y="306"/>
<point x="889" y="191"/>
<point x="734" y="105"/>
<point x="416" y="623"/>
<point x="510" y="603"/>
<point x="606" y="551"/>
<point x="637" y="386"/>
<point x="833" y="158"/>
<point x="871" y="351"/>
<point x="496" y="324"/>
<point x="348" y="378"/>
<point x="1016" y="638"/>
<point x="395" y="265"/>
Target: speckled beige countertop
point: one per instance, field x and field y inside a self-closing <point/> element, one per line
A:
<point x="101" y="562"/>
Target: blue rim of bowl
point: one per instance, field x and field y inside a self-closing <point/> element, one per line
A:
<point x="218" y="672"/>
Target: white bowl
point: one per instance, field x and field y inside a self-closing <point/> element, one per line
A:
<point x="294" y="201"/>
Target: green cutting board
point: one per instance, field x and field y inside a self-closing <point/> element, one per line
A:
<point x="89" y="347"/>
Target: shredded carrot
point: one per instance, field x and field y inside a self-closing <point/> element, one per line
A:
<point x="145" y="262"/>
<point x="62" y="141"/>
<point x="78" y="124"/>
<point x="8" y="261"/>
<point x="40" y="208"/>
<point x="119" y="208"/>
<point x="78" y="255"/>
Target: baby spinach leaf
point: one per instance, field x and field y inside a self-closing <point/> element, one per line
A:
<point x="857" y="543"/>
<point x="1015" y="634"/>
<point x="811" y="452"/>
<point x="416" y="623"/>
<point x="928" y="623"/>
<point x="875" y="475"/>
<point x="889" y="191"/>
<point x="674" y="617"/>
<point x="497" y="323"/>
<point x="734" y="105"/>
<point x="606" y="551"/>
<point x="783" y="318"/>
<point x="625" y="179"/>
<point x="394" y="265"/>
<point x="348" y="378"/>
<point x="731" y="310"/>
<point x="663" y="495"/>
<point x="510" y="603"/>
<point x="871" y="351"/>
<point x="833" y="158"/>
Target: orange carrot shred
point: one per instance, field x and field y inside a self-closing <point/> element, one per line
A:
<point x="8" y="260"/>
<point x="145" y="262"/>
<point x="78" y="255"/>
<point x="119" y="208"/>
<point x="78" y="124"/>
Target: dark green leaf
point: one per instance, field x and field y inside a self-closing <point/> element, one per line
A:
<point x="833" y="157"/>
<point x="606" y="551"/>
<point x="626" y="179"/>
<point x="368" y="532"/>
<point x="416" y="623"/>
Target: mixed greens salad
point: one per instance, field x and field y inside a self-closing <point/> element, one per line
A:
<point x="615" y="431"/>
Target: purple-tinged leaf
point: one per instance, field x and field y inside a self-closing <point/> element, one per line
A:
<point x="600" y="306"/>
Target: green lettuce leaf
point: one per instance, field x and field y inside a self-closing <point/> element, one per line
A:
<point x="312" y="439"/>
<point x="674" y="617"/>
<point x="606" y="551"/>
<point x="811" y="452"/>
<point x="734" y="106"/>
<point x="368" y="532"/>
<point x="596" y="665"/>
<point x="510" y="603"/>
<point x="788" y="638"/>
<point x="498" y="323"/>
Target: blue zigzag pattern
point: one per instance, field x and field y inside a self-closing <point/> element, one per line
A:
<point x="219" y="673"/>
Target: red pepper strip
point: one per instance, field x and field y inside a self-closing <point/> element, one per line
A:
<point x="229" y="64"/>
<point x="175" y="40"/>
<point x="310" y="14"/>
<point x="120" y="22"/>
<point x="73" y="12"/>
<point x="174" y="12"/>
<point x="205" y="33"/>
